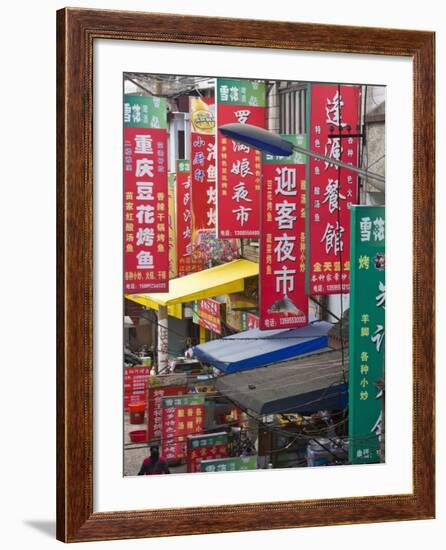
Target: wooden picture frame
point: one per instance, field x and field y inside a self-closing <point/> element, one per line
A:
<point x="77" y="29"/>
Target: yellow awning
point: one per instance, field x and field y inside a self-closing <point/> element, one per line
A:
<point x="222" y="279"/>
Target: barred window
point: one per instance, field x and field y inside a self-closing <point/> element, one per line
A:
<point x="292" y="109"/>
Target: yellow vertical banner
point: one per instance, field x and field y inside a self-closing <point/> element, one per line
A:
<point x="172" y="230"/>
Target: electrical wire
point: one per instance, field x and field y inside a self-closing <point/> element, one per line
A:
<point x="273" y="338"/>
<point x="339" y="230"/>
<point x="299" y="367"/>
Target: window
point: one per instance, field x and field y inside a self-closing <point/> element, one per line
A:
<point x="292" y="108"/>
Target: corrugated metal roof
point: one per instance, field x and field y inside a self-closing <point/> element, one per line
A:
<point x="304" y="384"/>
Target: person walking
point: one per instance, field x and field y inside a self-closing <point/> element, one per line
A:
<point x="154" y="464"/>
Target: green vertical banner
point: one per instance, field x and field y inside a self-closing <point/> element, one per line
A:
<point x="367" y="321"/>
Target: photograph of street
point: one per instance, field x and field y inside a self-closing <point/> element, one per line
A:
<point x="254" y="274"/>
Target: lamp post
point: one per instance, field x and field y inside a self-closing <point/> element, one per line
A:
<point x="266" y="141"/>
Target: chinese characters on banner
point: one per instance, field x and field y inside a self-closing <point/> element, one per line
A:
<point x="334" y="110"/>
<point x="231" y="464"/>
<point x="239" y="166"/>
<point x="146" y="246"/>
<point x="203" y="162"/>
<point x="283" y="302"/>
<point x="135" y="380"/>
<point x="184" y="219"/>
<point x="367" y="316"/>
<point x="182" y="416"/>
<point x="252" y="321"/>
<point x="157" y="390"/>
<point x="145" y="111"/>
<point x="172" y="227"/>
<point x="208" y="314"/>
<point x="205" y="447"/>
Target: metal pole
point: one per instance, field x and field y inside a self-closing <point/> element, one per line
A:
<point x="364" y="173"/>
<point x="271" y="143"/>
<point x="163" y="338"/>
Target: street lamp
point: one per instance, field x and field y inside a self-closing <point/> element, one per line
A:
<point x="266" y="141"/>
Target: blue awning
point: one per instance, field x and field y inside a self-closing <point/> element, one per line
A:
<point x="256" y="348"/>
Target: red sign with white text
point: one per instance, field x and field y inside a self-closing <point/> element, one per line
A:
<point x="205" y="447"/>
<point x="239" y="175"/>
<point x="183" y="415"/>
<point x="183" y="210"/>
<point x="334" y="111"/>
<point x="283" y="302"/>
<point x="135" y="381"/>
<point x="189" y="264"/>
<point x="155" y="408"/>
<point x="253" y="321"/>
<point x="203" y="162"/>
<point x="209" y="315"/>
<point x="146" y="250"/>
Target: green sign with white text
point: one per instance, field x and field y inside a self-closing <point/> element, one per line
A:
<point x="207" y="440"/>
<point x="145" y="111"/>
<point x="231" y="464"/>
<point x="367" y="322"/>
<point x="295" y="157"/>
<point x="241" y="92"/>
<point x="183" y="166"/>
<point x="183" y="400"/>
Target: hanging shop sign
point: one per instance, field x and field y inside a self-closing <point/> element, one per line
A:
<point x="159" y="387"/>
<point x="239" y="166"/>
<point x="283" y="301"/>
<point x="172" y="227"/>
<point x="333" y="111"/>
<point x="135" y="384"/>
<point x="367" y="329"/>
<point x="145" y="111"/>
<point x="208" y="314"/>
<point x="190" y="264"/>
<point x="252" y="321"/>
<point x="185" y="262"/>
<point x="204" y="447"/>
<point x="249" y="321"/>
<point x="183" y="415"/>
<point x="231" y="464"/>
<point x="146" y="246"/>
<point x="203" y="162"/>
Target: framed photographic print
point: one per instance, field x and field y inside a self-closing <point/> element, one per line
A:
<point x="245" y="275"/>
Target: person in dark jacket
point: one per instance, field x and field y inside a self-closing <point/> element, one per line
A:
<point x="154" y="464"/>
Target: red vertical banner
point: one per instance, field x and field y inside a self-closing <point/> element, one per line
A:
<point x="182" y="416"/>
<point x="283" y="301"/>
<point x="146" y="247"/>
<point x="203" y="162"/>
<point x="239" y="166"/>
<point x="334" y="111"/>
<point x="155" y="395"/>
<point x="183" y="215"/>
<point x="173" y="273"/>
